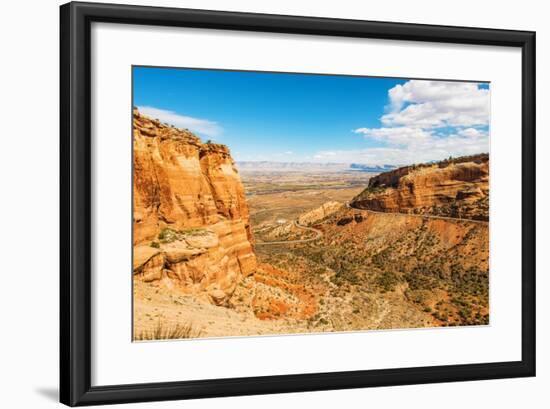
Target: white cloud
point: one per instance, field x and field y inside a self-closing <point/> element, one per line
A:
<point x="472" y="133"/>
<point x="427" y="120"/>
<point x="396" y="136"/>
<point x="198" y="125"/>
<point x="425" y="150"/>
<point x="432" y="104"/>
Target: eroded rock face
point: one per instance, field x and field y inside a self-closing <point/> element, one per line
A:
<point x="315" y="215"/>
<point x="190" y="217"/>
<point x="457" y="188"/>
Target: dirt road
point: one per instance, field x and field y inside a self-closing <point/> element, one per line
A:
<point x="427" y="216"/>
<point x="318" y="235"/>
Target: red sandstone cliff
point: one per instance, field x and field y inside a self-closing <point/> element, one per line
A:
<point x="455" y="188"/>
<point x="190" y="217"/>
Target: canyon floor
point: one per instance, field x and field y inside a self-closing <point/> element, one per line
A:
<point x="325" y="267"/>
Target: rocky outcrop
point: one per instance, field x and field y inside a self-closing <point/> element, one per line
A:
<point x="289" y="230"/>
<point x="190" y="217"/>
<point x="319" y="213"/>
<point x="453" y="188"/>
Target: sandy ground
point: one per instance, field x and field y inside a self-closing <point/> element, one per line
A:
<point x="154" y="304"/>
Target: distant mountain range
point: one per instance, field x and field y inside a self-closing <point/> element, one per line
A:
<point x="310" y="166"/>
<point x="371" y="168"/>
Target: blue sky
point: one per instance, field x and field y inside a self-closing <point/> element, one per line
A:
<point x="317" y="118"/>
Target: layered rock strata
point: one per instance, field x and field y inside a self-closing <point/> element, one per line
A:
<point x="456" y="188"/>
<point x="191" y="224"/>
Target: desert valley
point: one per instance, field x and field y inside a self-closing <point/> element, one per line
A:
<point x="222" y="248"/>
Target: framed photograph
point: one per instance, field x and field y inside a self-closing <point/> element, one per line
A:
<point x="257" y="204"/>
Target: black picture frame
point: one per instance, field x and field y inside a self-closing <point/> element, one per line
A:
<point x="76" y="199"/>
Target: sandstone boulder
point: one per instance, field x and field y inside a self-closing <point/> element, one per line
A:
<point x="142" y="254"/>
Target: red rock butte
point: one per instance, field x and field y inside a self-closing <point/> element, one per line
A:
<point x="457" y="188"/>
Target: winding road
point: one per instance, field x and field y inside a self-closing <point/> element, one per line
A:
<point x="426" y="216"/>
<point x="318" y="235"/>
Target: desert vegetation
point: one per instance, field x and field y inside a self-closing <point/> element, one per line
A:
<point x="162" y="331"/>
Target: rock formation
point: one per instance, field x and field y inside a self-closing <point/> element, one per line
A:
<point x="453" y="188"/>
<point x="190" y="218"/>
<point x="319" y="213"/>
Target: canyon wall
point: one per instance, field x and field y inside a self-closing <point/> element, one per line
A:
<point x="191" y="225"/>
<point x="452" y="188"/>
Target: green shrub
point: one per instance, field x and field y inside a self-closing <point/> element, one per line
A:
<point x="387" y="281"/>
<point x="167" y="235"/>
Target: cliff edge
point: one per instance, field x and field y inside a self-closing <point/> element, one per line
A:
<point x="453" y="188"/>
<point x="191" y="224"/>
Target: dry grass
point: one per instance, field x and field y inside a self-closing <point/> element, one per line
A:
<point x="179" y="331"/>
